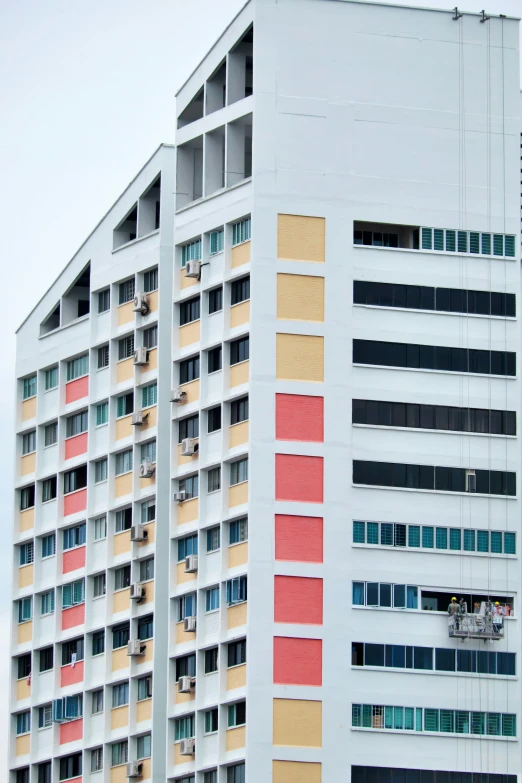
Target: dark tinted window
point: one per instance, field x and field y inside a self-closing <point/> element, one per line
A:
<point x="189" y="311"/>
<point x="240" y="290"/>
<point x="214" y="419"/>
<point x="239" y="350"/>
<point x="214" y="359"/>
<point x="189" y="370"/>
<point x="215" y="300"/>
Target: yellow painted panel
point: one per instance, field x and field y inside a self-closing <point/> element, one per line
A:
<point x="25" y="632"/>
<point x="26" y="520"/>
<point x="122" y="542"/>
<point x="124" y="428"/>
<point x="299" y="357"/>
<point x="181" y="636"/>
<point x="300" y="297"/>
<point x="122" y="601"/>
<point x="178" y="758"/>
<point x="29" y="409"/>
<point x="146" y="769"/>
<point x="301" y="238"/>
<point x="237" y="615"/>
<point x="119" y="774"/>
<point x="240" y="255"/>
<point x="236" y="738"/>
<point x="151" y="530"/>
<point x="152" y="301"/>
<point x="296" y="772"/>
<point x="125" y="313"/>
<point x="125" y="370"/>
<point x="26" y="575"/>
<point x="190" y="333"/>
<point x="23" y="745"/>
<point x="186" y="282"/>
<point x="28" y="464"/>
<point x="183" y="698"/>
<point x="181" y="576"/>
<point x="119" y="717"/>
<point x="152" y="418"/>
<point x="237" y="554"/>
<point x="23" y="690"/>
<point x="191" y="390"/>
<point x="147" y="482"/>
<point x="238" y="494"/>
<point x="236" y="677"/>
<point x="186" y="460"/>
<point x="152" y="360"/>
<point x="149" y="592"/>
<point x="298" y="723"/>
<point x="143" y="710"/>
<point x="238" y="434"/>
<point x="239" y="314"/>
<point x="239" y="373"/>
<point x="149" y="652"/>
<point x="120" y="659"/>
<point x="123" y="485"/>
<point x="188" y="511"/>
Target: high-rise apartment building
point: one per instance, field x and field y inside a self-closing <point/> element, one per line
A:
<point x="267" y="426"/>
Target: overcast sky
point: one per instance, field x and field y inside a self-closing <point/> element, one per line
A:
<point x="86" y="95"/>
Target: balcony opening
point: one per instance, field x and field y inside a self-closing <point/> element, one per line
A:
<point x="385" y="235"/>
<point x="189" y="172"/>
<point x="240" y="68"/>
<point x="192" y="112"/>
<point x="214" y="160"/>
<point x="76" y="301"/>
<point x="127" y="229"/>
<point x="149" y="208"/>
<point x="239" y="150"/>
<point x="52" y="321"/>
<point x="216" y="89"/>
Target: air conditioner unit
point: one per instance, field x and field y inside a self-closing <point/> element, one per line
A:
<point x="135" y="647"/>
<point x="471" y="481"/>
<point x="137" y="591"/>
<point x="193" y="269"/>
<point x="138" y="533"/>
<point x="189" y="447"/>
<point x="140" y="356"/>
<point x="191" y="564"/>
<point x="177" y="395"/>
<point x="140" y="304"/>
<point x="179" y="497"/>
<point x="189" y="624"/>
<point x="147" y="469"/>
<point x="186" y="747"/>
<point x="134" y="769"/>
<point x="184" y="684"/>
<point x="139" y="418"/>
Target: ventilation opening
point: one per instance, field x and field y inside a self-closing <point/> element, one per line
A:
<point x="216" y="89"/>
<point x="127" y="230"/>
<point x="189" y="172"/>
<point x="76" y="301"/>
<point x="52" y="321"/>
<point x="193" y="112"/>
<point x="240" y="68"/>
<point x="215" y="160"/>
<point x="385" y="235"/>
<point x="149" y="208"/>
<point x="239" y="148"/>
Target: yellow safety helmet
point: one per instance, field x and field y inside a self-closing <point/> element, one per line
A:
<point x="453" y="599"/>
<point x="497" y="603"/>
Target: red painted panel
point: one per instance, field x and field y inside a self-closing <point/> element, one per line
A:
<point x="75" y="615"/>
<point x="298" y="661"/>
<point x="299" y="417"/>
<point x="299" y="538"/>
<point x="75" y="446"/>
<point x="75" y="390"/>
<point x="298" y="599"/>
<point x="76" y="501"/>
<point x="70" y="731"/>
<point x="299" y="478"/>
<point x="73" y="559"/>
<point x="70" y="675"/>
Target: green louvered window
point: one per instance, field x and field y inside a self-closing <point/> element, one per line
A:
<point x="451" y="241"/>
<point x="469" y="540"/>
<point x="493" y="723"/>
<point x="510" y="545"/>
<point x="455" y="539"/>
<point x="447" y="721"/>
<point x="509" y="249"/>
<point x="478" y="722"/>
<point x="359" y="536"/>
<point x="509" y="725"/>
<point x="498" y="245"/>
<point x="372" y="533"/>
<point x="482" y="541"/>
<point x="427" y="538"/>
<point x="427" y="238"/>
<point x="414" y="535"/>
<point x="441" y="538"/>
<point x="438" y="239"/>
<point x="431" y="720"/>
<point x="486" y="244"/>
<point x="462" y="241"/>
<point x="356" y="715"/>
<point x="462" y="722"/>
<point x="474" y="242"/>
<point x="496" y="542"/>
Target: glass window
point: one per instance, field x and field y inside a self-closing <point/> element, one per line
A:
<point x="148" y="451"/>
<point x="23" y="722"/>
<point x="190" y="486"/>
<point x="469" y="540"/>
<point x="120" y="636"/>
<point x="74" y="536"/>
<point x="214" y="479"/>
<point x="126" y="347"/>
<point x="214" y="357"/>
<point x="213" y="539"/>
<point x="238" y="471"/>
<point x="125" y="405"/>
<point x="214" y="419"/>
<point x="237" y="714"/>
<point x="70" y="766"/>
<point x="78" y="367"/>
<point x="99" y="585"/>
<point x="27" y="497"/>
<point x="150" y="280"/>
<point x="212" y="599"/>
<point x="241" y="231"/>
<point x="75" y="425"/>
<point x="188" y="428"/>
<point x="187" y="546"/>
<point x="146" y="569"/>
<point x="102" y="413"/>
<point x="104" y="300"/>
<point x="51" y="378"/>
<point x="184" y="728"/>
<point x="100" y="470"/>
<point x="240" y="290"/>
<point x="217" y="241"/>
<point x="45" y="716"/>
<point x="149" y="395"/>
<point x="189" y="311"/>
<point x="29" y="387"/>
<point x="27" y="553"/>
<point x="191" y="252"/>
<point x="239" y="410"/>
<point x="150" y="337"/>
<point x="124" y="462"/>
<point x="75" y="479"/>
<point x="25" y="609"/>
<point x="358" y="533"/>
<point x="510" y="543"/>
<point x="49" y="488"/>
<point x="238" y="531"/>
<point x="236" y="773"/>
<point x="239" y="350"/>
<point x="98" y="644"/>
<point x="211" y="721"/>
<point x="46" y="659"/>
<point x="122" y="577"/>
<point x="51" y="434"/>
<point x="126" y="291"/>
<point x="211" y="660"/>
<point x="144" y="688"/>
<point x="72" y="650"/>
<point x="47" y="602"/>
<point x="215" y="300"/>
<point x="189" y="370"/>
<point x="96" y="759"/>
<point x="143" y="746"/>
<point x="73" y="593"/>
<point x="120" y="753"/>
<point x="24" y="666"/>
<point x="120" y="694"/>
<point x="103" y="357"/>
<point x="236" y="590"/>
<point x="100" y="528"/>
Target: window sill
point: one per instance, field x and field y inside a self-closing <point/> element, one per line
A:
<point x="214" y="491"/>
<point x="98" y="597"/>
<point x="121" y="589"/>
<point x="444" y="253"/>
<point x="424" y="429"/>
<point x="242" y="422"/>
<point x="236" y="304"/>
<point x="28" y="453"/>
<point x="405" y="670"/>
<point x="103" y="424"/>
<point x="245" y="481"/>
<point x="23" y="622"/>
<point x="50" y="445"/>
<point x="435" y="491"/>
<point x="123" y="474"/>
<point x="433" y="550"/>
<point x="437" y="372"/>
<point x="244" y="361"/>
<point x="211" y="611"/>
<point x="389" y="308"/>
<point x="29" y="508"/>
<point x="44" y="728"/>
<point x="47" y="614"/>
<point x="212" y="551"/>
<point x="100" y="369"/>
<point x="97" y="483"/>
<point x="237" y="543"/>
<point x="48" y="557"/>
<point x="439" y="734"/>
<point x="26" y="399"/>
<point x="214" y="372"/>
<point x="195" y="321"/>
<point x="85" y="375"/>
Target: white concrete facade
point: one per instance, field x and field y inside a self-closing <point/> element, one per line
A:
<point x="358" y="113"/>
